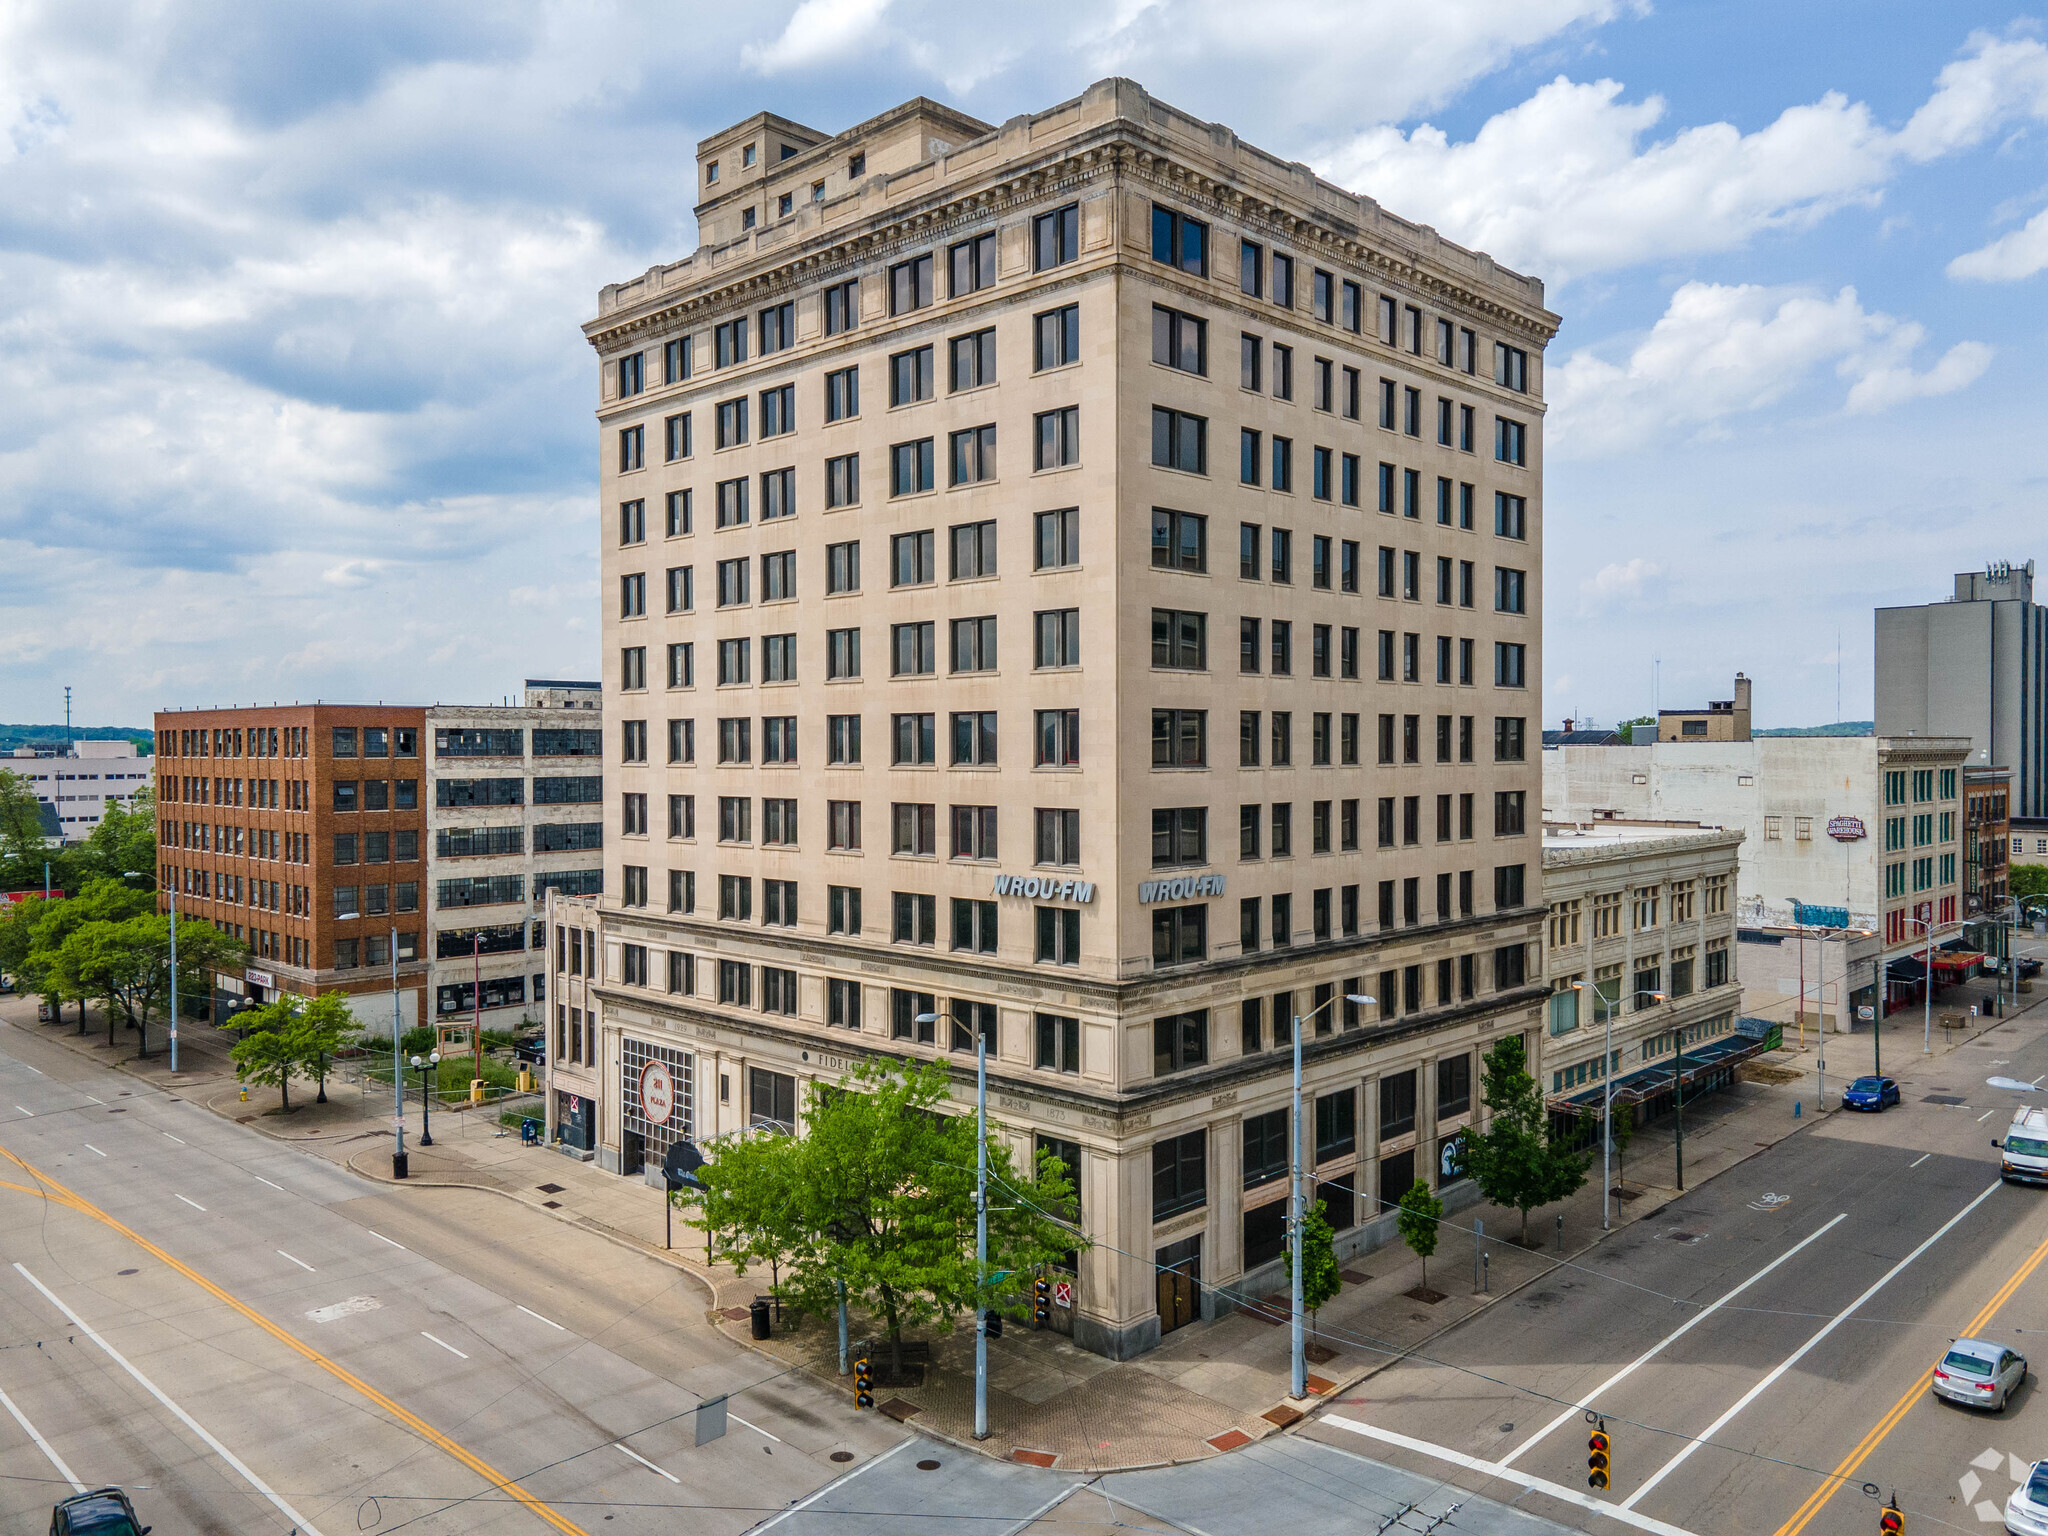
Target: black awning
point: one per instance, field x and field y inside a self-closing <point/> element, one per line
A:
<point x="1647" y="1082"/>
<point x="1906" y="969"/>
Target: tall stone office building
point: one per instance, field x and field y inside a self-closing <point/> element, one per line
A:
<point x="1082" y="578"/>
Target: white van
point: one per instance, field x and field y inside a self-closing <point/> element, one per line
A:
<point x="2025" y="1147"/>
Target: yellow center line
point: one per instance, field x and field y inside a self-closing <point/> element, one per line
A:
<point x="1817" y="1500"/>
<point x="405" y="1416"/>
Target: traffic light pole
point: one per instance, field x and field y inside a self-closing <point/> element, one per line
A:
<point x="1298" y="1383"/>
<point x="980" y="1234"/>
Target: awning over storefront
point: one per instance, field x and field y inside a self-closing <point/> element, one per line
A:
<point x="1964" y="963"/>
<point x="1701" y="1061"/>
<point x="1906" y="970"/>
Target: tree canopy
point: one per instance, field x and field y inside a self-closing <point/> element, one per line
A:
<point x="122" y="845"/>
<point x="1420" y="1213"/>
<point x="1517" y="1160"/>
<point x="878" y="1196"/>
<point x="1320" y="1280"/>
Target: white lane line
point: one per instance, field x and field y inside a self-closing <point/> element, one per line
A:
<point x="1986" y="1116"/>
<point x="37" y="1070"/>
<point x="306" y="1527"/>
<point x="91" y="1148"/>
<point x="1665" y="1343"/>
<point x="1798" y="1354"/>
<point x="650" y="1466"/>
<point x="1046" y="1508"/>
<point x="757" y="1429"/>
<point x="443" y="1343"/>
<point x="29" y="1112"/>
<point x="383" y="1239"/>
<point x="96" y="1101"/>
<point x="1919" y="1160"/>
<point x="548" y="1320"/>
<point x="300" y="1262"/>
<point x="1570" y="1496"/>
<point x="191" y="1202"/>
<point x="42" y="1445"/>
<point x="262" y="1180"/>
<point x="836" y="1483"/>
<point x="178" y="1139"/>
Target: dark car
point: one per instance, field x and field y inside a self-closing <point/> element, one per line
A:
<point x="102" y="1512"/>
<point x="531" y="1052"/>
<point x="1870" y="1093"/>
<point x="2028" y="967"/>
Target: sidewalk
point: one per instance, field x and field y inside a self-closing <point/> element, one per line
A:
<point x="1208" y="1388"/>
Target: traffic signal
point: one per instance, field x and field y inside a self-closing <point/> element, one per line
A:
<point x="1891" y="1521"/>
<point x="1041" y="1301"/>
<point x="1597" y="1464"/>
<point x="995" y="1323"/>
<point x="863" y="1383"/>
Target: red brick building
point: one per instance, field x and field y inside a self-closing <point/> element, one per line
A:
<point x="301" y="830"/>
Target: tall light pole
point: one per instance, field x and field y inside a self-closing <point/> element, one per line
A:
<point x="399" y="1167"/>
<point x="431" y="1062"/>
<point x="980" y="1220"/>
<point x="1298" y="1212"/>
<point x="1606" y="1110"/>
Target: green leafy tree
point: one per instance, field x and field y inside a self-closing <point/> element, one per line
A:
<point x="878" y="1195"/>
<point x="22" y="843"/>
<point x="1628" y="728"/>
<point x="1320" y="1280"/>
<point x="2029" y="881"/>
<point x="1420" y="1212"/>
<point x="1516" y="1160"/>
<point x="275" y="1049"/>
<point x="123" y="844"/>
<point x="328" y="1027"/>
<point x="1619" y="1134"/>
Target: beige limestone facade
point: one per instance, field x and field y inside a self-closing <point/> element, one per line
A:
<point x="1080" y="577"/>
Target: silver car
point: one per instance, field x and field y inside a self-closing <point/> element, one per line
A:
<point x="1979" y="1374"/>
<point x="2026" y="1512"/>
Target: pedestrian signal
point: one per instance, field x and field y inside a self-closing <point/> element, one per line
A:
<point x="1597" y="1464"/>
<point x="863" y="1383"/>
<point x="994" y="1320"/>
<point x="1891" y="1521"/>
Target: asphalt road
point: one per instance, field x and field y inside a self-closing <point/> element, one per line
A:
<point x="339" y="1358"/>
<point x="1763" y="1334"/>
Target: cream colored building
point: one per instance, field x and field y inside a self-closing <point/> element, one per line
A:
<point x="924" y="479"/>
<point x="1637" y="909"/>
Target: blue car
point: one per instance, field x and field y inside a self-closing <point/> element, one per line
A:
<point x="1870" y="1093"/>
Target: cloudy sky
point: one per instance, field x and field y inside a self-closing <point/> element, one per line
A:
<point x="293" y="402"/>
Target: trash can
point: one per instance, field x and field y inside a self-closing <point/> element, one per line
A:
<point x="529" y="1132"/>
<point x="757" y="1314"/>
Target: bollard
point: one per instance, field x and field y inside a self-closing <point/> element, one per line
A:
<point x="1795" y="1109"/>
<point x="1486" y="1273"/>
<point x="1560" y="1234"/>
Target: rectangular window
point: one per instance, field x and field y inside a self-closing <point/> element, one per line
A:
<point x="974" y="831"/>
<point x="972" y="264"/>
<point x="1058" y="935"/>
<point x="1180" y="738"/>
<point x="1283" y="280"/>
<point x="842" y="308"/>
<point x="1180" y="1041"/>
<point x="912" y="1016"/>
<point x="730" y="343"/>
<point x="974" y="932"/>
<point x="973" y="645"/>
<point x="1056" y="438"/>
<point x="913" y="738"/>
<point x="971" y="360"/>
<point x="1056" y="638"/>
<point x="675" y="360"/>
<point x="631" y="379"/>
<point x="1057" y="837"/>
<point x="778" y="411"/>
<point x="1180" y="935"/>
<point x="1056" y="237"/>
<point x="1057" y="734"/>
<point x="910" y="284"/>
<point x="732" y="503"/>
<point x="1508" y="664"/>
<point x="732" y="422"/>
<point x="1058" y="336"/>
<point x="1179" y="1175"/>
<point x="910" y="376"/>
<point x="1180" y="441"/>
<point x="1180" y="640"/>
<point x="911" y="468"/>
<point x="777" y="327"/>
<point x="842" y="394"/>
<point x="1180" y="241"/>
<point x="972" y="455"/>
<point x="1059" y="1042"/>
<point x="916" y="919"/>
<point x="1180" y="340"/>
<point x="675" y="432"/>
<point x="1511" y="441"/>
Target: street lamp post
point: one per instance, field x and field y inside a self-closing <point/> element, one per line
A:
<point x="1299" y="1211"/>
<point x="980" y="1220"/>
<point x="1606" y="1112"/>
<point x="399" y="1161"/>
<point x="430" y="1062"/>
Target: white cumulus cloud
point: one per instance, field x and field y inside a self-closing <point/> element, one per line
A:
<point x="2010" y="257"/>
<point x="1722" y="351"/>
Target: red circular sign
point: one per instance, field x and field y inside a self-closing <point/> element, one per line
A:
<point x="657" y="1092"/>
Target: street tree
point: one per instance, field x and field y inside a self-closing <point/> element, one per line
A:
<point x="327" y="1027"/>
<point x="878" y="1196"/>
<point x="2028" y="881"/>
<point x="1420" y="1213"/>
<point x="1320" y="1280"/>
<point x="274" y="1050"/>
<point x="22" y="842"/>
<point x="1620" y="1133"/>
<point x="1518" y="1160"/>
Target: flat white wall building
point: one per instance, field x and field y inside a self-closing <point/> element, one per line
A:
<point x="79" y="787"/>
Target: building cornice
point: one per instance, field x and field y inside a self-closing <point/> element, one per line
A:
<point x="1118" y="146"/>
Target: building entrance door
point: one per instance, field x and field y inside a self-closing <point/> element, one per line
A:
<point x="1180" y="1283"/>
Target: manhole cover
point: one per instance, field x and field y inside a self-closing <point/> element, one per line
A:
<point x="1683" y="1237"/>
<point x="842" y="1455"/>
<point x="553" y="1205"/>
<point x="1943" y="1098"/>
<point x="927" y="1466"/>
<point x="550" y="1189"/>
